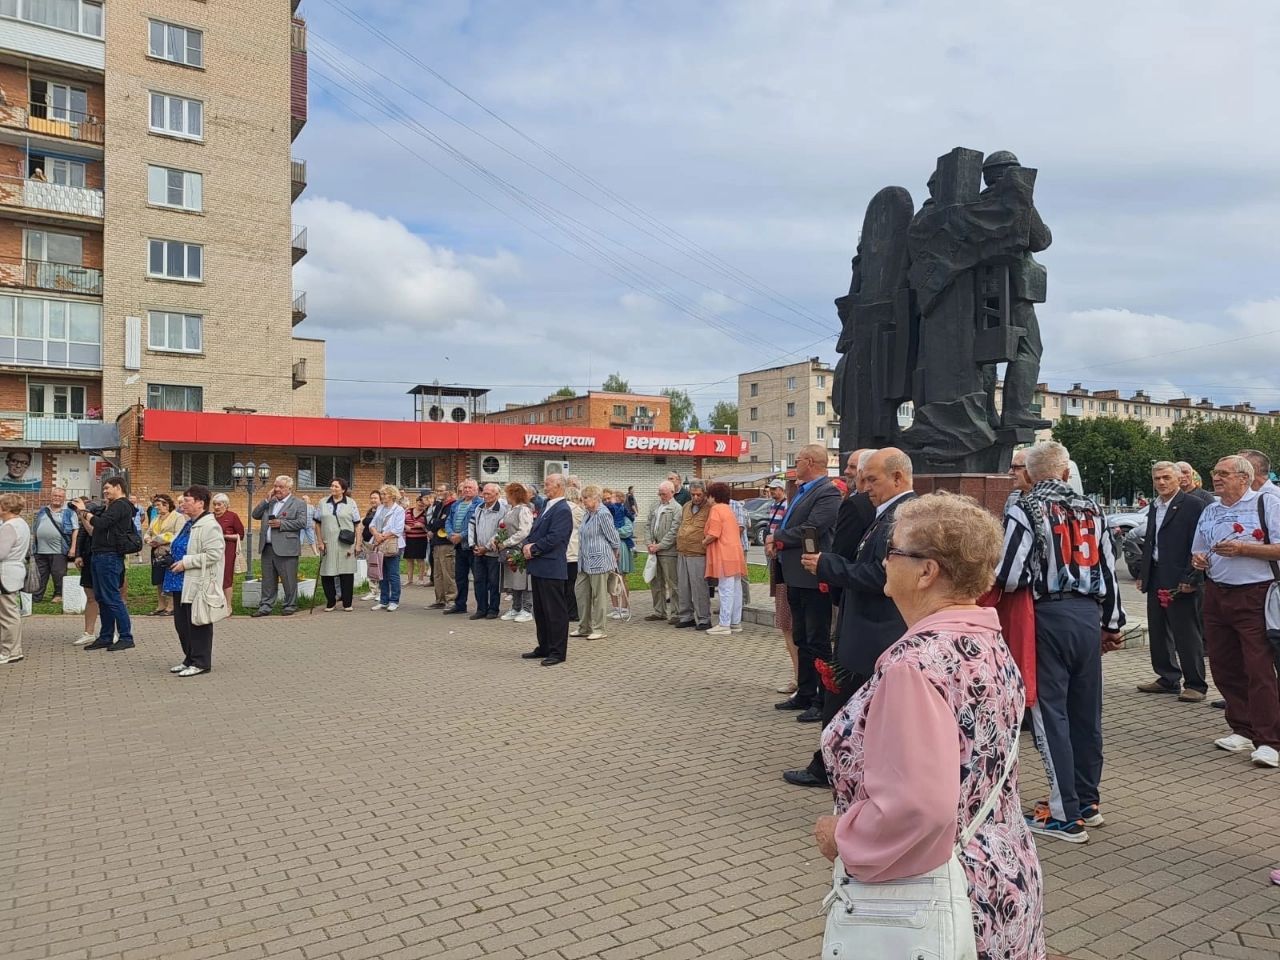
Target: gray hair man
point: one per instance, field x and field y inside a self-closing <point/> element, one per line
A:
<point x="56" y="529"/>
<point x="664" y="524"/>
<point x="1057" y="545"/>
<point x="1172" y="586"/>
<point x="1187" y="483"/>
<point x="1236" y="546"/>
<point x="1261" y="464"/>
<point x="486" y="562"/>
<point x="691" y="561"/>
<point x="283" y="518"/>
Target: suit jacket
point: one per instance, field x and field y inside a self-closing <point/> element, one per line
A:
<point x="664" y="524"/>
<point x="1205" y="497"/>
<point x="549" y="542"/>
<point x="1174" y="539"/>
<point x="817" y="509"/>
<point x="852" y="523"/>
<point x="869" y="621"/>
<point x="286" y="541"/>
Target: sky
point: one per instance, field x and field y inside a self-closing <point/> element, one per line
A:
<point x="524" y="196"/>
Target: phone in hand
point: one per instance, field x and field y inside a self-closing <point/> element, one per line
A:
<point x="809" y="539"/>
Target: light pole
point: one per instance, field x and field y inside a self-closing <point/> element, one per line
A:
<point x="773" y="463"/>
<point x="247" y="473"/>
<point x="1111" y="477"/>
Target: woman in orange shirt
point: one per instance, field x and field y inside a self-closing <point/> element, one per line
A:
<point x="726" y="560"/>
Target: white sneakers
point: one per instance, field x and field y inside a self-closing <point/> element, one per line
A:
<point x="508" y="616"/>
<point x="178" y="668"/>
<point x="524" y="616"/>
<point x="1234" y="743"/>
<point x="371" y="596"/>
<point x="576" y="633"/>
<point x="84" y="638"/>
<point x="719" y="631"/>
<point x="392" y="607"/>
<point x="377" y="606"/>
<point x="1265" y="756"/>
<point x="596" y="635"/>
<point x="4" y="660"/>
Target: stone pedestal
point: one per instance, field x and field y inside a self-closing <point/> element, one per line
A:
<point x="990" y="490"/>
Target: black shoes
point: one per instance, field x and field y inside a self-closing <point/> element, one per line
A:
<point x="533" y="655"/>
<point x="96" y="645"/>
<point x="491" y="616"/>
<point x="287" y="612"/>
<point x="803" y="778"/>
<point x="478" y="615"/>
<point x="436" y="606"/>
<point x="455" y="610"/>
<point x="703" y="626"/>
<point x="552" y="661"/>
<point x="791" y="704"/>
<point x="683" y="624"/>
<point x="1219" y="704"/>
<point x="121" y="645"/>
<point x="812" y="715"/>
<point x="260" y="613"/>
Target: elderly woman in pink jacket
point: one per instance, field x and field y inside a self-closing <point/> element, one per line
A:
<point x="921" y="746"/>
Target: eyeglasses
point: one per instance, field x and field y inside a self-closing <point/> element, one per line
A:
<point x="1017" y="466"/>
<point x="1227" y="473"/>
<point x="895" y="552"/>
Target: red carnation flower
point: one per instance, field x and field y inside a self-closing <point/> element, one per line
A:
<point x="502" y="525"/>
<point x="824" y="588"/>
<point x="1258" y="534"/>
<point x="827" y="675"/>
<point x="1238" y="528"/>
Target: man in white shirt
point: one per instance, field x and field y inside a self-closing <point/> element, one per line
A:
<point x="1237" y="545"/>
<point x="1261" y="472"/>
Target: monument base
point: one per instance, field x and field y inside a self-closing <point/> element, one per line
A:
<point x="990" y="490"/>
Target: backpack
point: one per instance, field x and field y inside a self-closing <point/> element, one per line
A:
<point x="130" y="541"/>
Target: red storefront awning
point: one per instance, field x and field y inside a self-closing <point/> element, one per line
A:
<point x="237" y="430"/>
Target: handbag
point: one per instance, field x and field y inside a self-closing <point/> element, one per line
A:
<point x="32" y="583"/>
<point x="926" y="916"/>
<point x="650" y="568"/>
<point x="346" y="537"/>
<point x="209" y="605"/>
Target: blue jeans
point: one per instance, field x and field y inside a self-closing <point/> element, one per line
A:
<point x="487" y="570"/>
<point x="462" y="558"/>
<point x="108" y="576"/>
<point x="389" y="585"/>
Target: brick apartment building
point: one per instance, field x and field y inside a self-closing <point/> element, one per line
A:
<point x="596" y="409"/>
<point x="146" y="236"/>
<point x="781" y="409"/>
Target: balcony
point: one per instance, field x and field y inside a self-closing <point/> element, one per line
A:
<point x="299" y="307"/>
<point x="297" y="76"/>
<point x="27" y="34"/>
<point x="299" y="373"/>
<point x="56" y="198"/>
<point x="53" y="429"/>
<point x="300" y="244"/>
<point x="298" y="176"/>
<point x="76" y="127"/>
<point x="44" y="275"/>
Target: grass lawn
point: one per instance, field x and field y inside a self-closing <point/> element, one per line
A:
<point x="142" y="595"/>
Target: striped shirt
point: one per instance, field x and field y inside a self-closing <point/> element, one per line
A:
<point x="597" y="541"/>
<point x="1075" y="552"/>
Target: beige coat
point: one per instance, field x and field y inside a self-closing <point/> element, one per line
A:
<point x="203" y="560"/>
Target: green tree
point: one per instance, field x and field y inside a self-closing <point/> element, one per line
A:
<point x="563" y="392"/>
<point x="1202" y="443"/>
<point x="1112" y="452"/>
<point x="683" y="416"/>
<point x="724" y="416"/>
<point x="615" y="384"/>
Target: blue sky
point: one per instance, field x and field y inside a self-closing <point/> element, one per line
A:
<point x="673" y="190"/>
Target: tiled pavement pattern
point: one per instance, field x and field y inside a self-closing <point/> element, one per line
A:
<point x="401" y="786"/>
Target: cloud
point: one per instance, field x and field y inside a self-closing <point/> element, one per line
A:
<point x="372" y="274"/>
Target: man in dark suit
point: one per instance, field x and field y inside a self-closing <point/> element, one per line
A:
<point x="1172" y="587"/>
<point x="545" y="554"/>
<point x="1187" y="483"/>
<point x="811" y="513"/>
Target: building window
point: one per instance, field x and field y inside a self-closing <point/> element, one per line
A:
<point x="206" y="469"/>
<point x="822" y="408"/>
<point x="53" y="248"/>
<point x="619" y="410"/>
<point x="791" y="409"/>
<point x="68" y="173"/>
<point x="177" y="116"/>
<point x="50" y="333"/>
<point x="169" y="396"/>
<point x="753" y="413"/>
<point x="178" y="332"/>
<point x="791" y="383"/>
<point x="791" y="433"/>
<point x="410" y="473"/>
<point x="175" y="260"/>
<point x="59" y="401"/>
<point x="755" y="436"/>
<point x="58" y="101"/>
<point x="822" y="433"/>
<point x="579" y="411"/>
<point x="316" y="473"/>
<point x="176" y="44"/>
<point x="167" y="187"/>
<point x="755" y="390"/>
<point x="821" y="381"/>
<point x="76" y="16"/>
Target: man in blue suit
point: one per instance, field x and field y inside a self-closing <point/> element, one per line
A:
<point x="545" y="554"/>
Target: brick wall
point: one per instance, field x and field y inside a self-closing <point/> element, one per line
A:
<point x="11" y="249"/>
<point x="13" y="163"/>
<point x="15" y="85"/>
<point x="597" y="411"/>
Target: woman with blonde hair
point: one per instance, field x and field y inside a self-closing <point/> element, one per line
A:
<point x="158" y="536"/>
<point x="15" y="538"/>
<point x="923" y="757"/>
<point x="515" y="580"/>
<point x="388" y="540"/>
<point x="598" y="547"/>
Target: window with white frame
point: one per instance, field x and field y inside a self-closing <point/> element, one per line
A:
<point x="791" y="409"/>
<point x="46" y="247"/>
<point x="173" y="396"/>
<point x="175" y="332"/>
<point x="822" y="433"/>
<point x="51" y="100"/>
<point x="821" y="380"/>
<point x="76" y="16"/>
<point x="178" y="116"/>
<point x="69" y="173"/>
<point x="175" y="260"/>
<point x="50" y="333"/>
<point x="791" y="383"/>
<point x="59" y="401"/>
<point x="822" y="408"/>
<point x="167" y="187"/>
<point x="176" y="44"/>
<point x="755" y="436"/>
<point x="791" y="433"/>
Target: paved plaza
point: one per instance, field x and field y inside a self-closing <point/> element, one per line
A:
<point x="399" y="786"/>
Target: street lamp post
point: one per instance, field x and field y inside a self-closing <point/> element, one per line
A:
<point x="773" y="463"/>
<point x="246" y="474"/>
<point x="1111" y="477"/>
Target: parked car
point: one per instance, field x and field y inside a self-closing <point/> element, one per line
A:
<point x="758" y="521"/>
<point x="1121" y="523"/>
<point x="1131" y="549"/>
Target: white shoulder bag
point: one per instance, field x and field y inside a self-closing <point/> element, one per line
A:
<point x="928" y="917"/>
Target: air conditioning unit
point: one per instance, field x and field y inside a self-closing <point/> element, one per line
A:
<point x="459" y="414"/>
<point x="554" y="466"/>
<point x="495" y="467"/>
<point x="369" y="455"/>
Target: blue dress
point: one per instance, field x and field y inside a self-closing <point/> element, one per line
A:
<point x="178" y="550"/>
<point x="622" y="521"/>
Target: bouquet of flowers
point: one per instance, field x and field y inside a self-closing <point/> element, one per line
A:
<point x="833" y="676"/>
<point x="514" y="555"/>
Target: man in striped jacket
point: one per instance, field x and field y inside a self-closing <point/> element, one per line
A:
<point x="1057" y="543"/>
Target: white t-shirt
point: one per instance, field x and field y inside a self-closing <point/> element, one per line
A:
<point x="1239" y="521"/>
